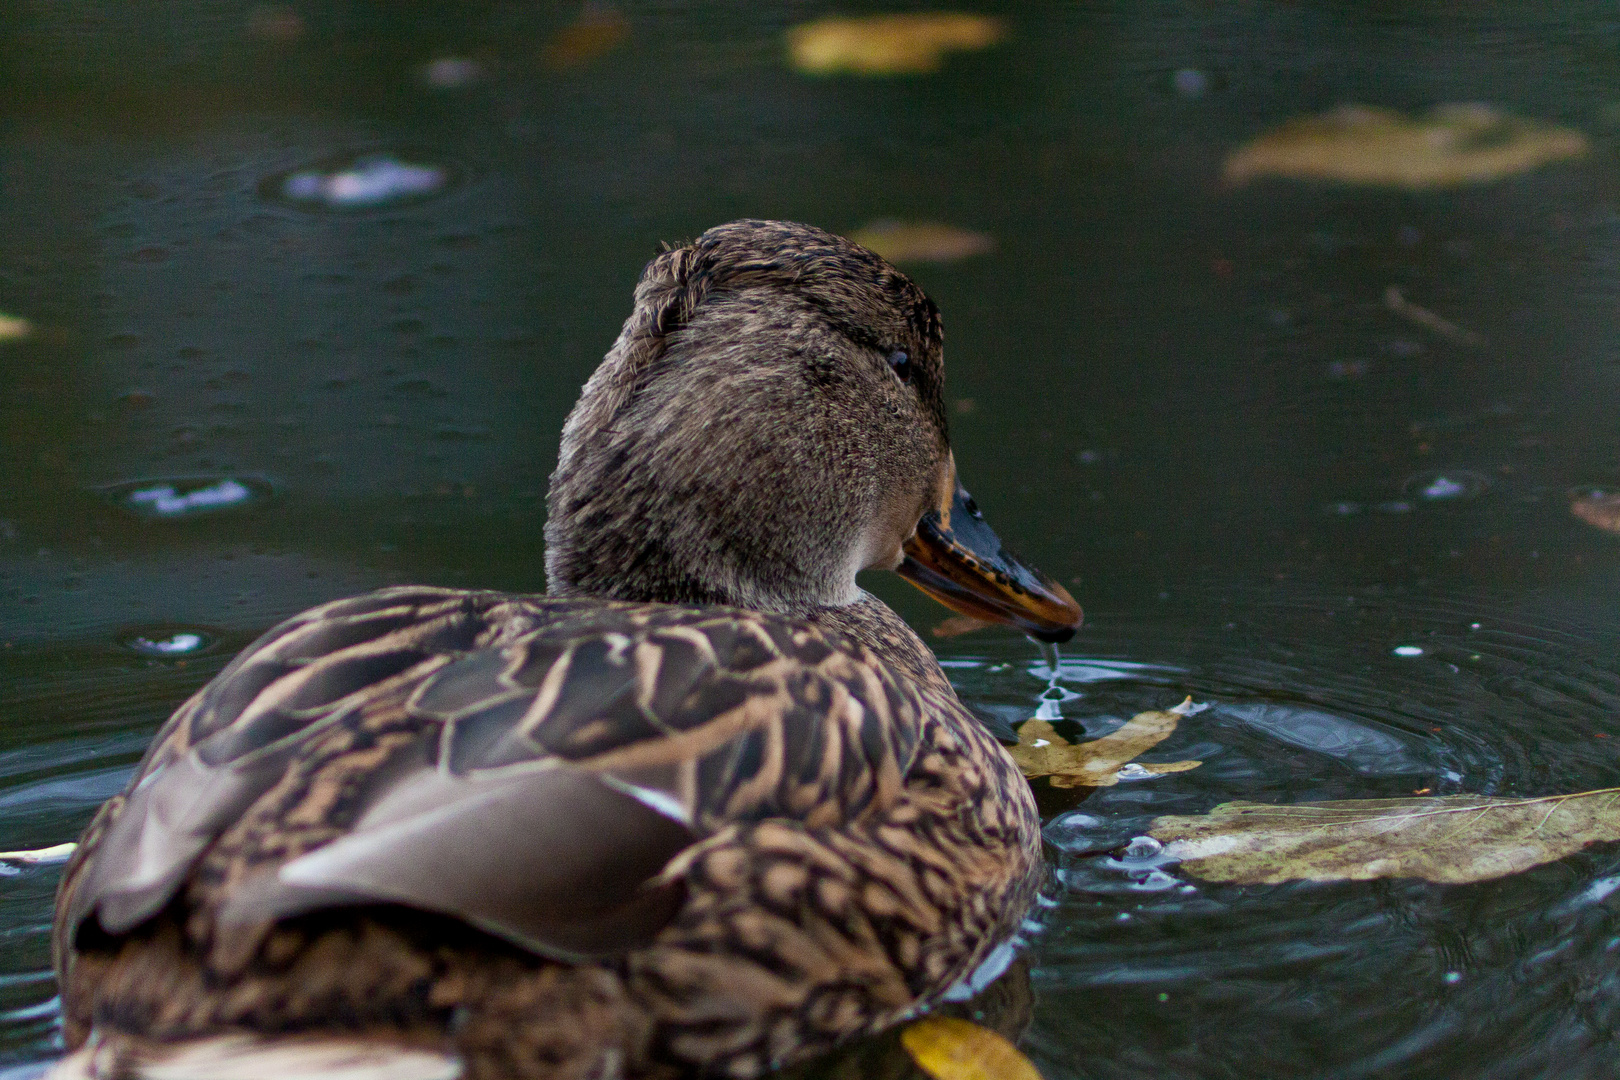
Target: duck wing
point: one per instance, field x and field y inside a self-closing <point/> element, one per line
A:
<point x="527" y="764"/>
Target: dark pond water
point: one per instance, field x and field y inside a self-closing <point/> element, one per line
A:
<point x="306" y="320"/>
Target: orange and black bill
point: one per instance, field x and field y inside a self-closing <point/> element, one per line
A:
<point x="958" y="560"/>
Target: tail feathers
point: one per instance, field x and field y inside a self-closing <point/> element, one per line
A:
<point x="248" y="1057"/>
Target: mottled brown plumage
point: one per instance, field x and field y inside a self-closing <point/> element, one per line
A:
<point x="705" y="807"/>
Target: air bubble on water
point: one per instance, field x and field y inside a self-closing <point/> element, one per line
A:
<point x="451" y="72"/>
<point x="1153" y="881"/>
<point x="1142" y="849"/>
<point x="1073" y="831"/>
<point x="1443" y="487"/>
<point x="1446" y="485"/>
<point x="1407" y="650"/>
<point x="168" y="644"/>
<point x="176" y="498"/>
<point x="1134" y="771"/>
<point x="360" y="183"/>
<point x="1190" y="82"/>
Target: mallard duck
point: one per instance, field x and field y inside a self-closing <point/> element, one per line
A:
<point x="704" y="807"/>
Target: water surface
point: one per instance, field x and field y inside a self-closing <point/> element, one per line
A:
<point x="328" y="310"/>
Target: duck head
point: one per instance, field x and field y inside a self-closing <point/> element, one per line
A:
<point x="771" y="421"/>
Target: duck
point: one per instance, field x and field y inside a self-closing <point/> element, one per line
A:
<point x="706" y="807"/>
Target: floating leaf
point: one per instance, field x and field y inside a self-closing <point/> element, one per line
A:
<point x="1596" y="508"/>
<point x="950" y="1049"/>
<point x="12" y="328"/>
<point x="922" y="241"/>
<point x="1041" y="751"/>
<point x="1452" y="838"/>
<point x="1448" y="146"/>
<point x="599" y="30"/>
<point x="911" y="44"/>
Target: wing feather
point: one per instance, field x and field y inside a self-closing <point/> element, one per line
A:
<point x="545" y="759"/>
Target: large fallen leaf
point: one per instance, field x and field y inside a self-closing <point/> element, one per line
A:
<point x="950" y="1049"/>
<point x="1448" y="146"/>
<point x="922" y="241"/>
<point x="1041" y="751"/>
<point x="910" y="44"/>
<point x="1450" y="838"/>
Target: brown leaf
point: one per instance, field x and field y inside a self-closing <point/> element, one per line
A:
<point x="922" y="241"/>
<point x="1598" y="508"/>
<point x="1451" y="838"/>
<point x="1448" y="146"/>
<point x="950" y="1049"/>
<point x="599" y="30"/>
<point x="1041" y="751"/>
<point x="909" y="44"/>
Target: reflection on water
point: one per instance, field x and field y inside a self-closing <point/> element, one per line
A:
<point x="1335" y="460"/>
<point x="363" y="183"/>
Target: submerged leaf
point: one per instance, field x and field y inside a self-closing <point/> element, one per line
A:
<point x="599" y="29"/>
<point x="1448" y="146"/>
<point x="950" y="1049"/>
<point x="1041" y="751"/>
<point x="910" y="44"/>
<point x="1598" y="508"/>
<point x="1452" y="838"/>
<point x="1400" y="305"/>
<point x="922" y="241"/>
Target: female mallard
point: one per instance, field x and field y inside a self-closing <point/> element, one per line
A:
<point x="704" y="807"/>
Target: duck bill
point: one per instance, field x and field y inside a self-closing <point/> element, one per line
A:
<point x="956" y="558"/>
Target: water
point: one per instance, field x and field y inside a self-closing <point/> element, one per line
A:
<point x="1346" y="531"/>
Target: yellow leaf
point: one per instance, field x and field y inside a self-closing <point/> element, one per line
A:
<point x="1041" y="751"/>
<point x="922" y="241"/>
<point x="911" y="44"/>
<point x="950" y="1049"/>
<point x="598" y="30"/>
<point x="1450" y="838"/>
<point x="12" y="328"/>
<point x="1448" y="146"/>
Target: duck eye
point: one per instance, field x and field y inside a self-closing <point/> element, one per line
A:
<point x="901" y="363"/>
